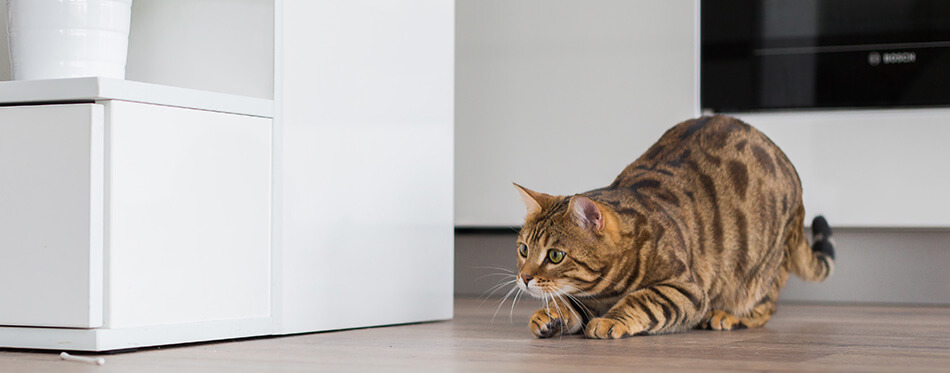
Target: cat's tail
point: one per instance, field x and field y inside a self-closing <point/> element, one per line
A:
<point x="813" y="263"/>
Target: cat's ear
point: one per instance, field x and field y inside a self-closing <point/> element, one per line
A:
<point x="533" y="201"/>
<point x="586" y="213"/>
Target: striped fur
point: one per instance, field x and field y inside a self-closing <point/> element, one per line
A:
<point x="700" y="231"/>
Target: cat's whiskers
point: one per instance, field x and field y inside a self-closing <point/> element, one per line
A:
<point x="492" y="290"/>
<point x="568" y="288"/>
<point x="587" y="312"/>
<point x="546" y="302"/>
<point x="493" y="274"/>
<point x="558" y="308"/>
<point x="511" y="279"/>
<point x="505" y="272"/>
<point x="586" y="295"/>
<point x="513" y="289"/>
<point x="561" y="295"/>
<point x="511" y="313"/>
<point x="578" y="294"/>
<point x="608" y="280"/>
<point x="497" y="268"/>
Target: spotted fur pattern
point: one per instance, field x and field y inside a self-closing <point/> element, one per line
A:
<point x="700" y="231"/>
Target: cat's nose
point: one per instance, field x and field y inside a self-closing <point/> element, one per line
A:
<point x="526" y="278"/>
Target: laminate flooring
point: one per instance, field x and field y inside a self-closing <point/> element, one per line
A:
<point x="800" y="337"/>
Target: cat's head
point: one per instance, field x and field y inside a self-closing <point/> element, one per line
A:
<point x="567" y="244"/>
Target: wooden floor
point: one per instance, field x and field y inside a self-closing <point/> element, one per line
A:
<point x="799" y="338"/>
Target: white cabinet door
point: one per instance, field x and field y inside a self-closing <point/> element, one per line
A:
<point x="51" y="222"/>
<point x="189" y="216"/>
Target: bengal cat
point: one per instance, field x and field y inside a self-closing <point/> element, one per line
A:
<point x="700" y="231"/>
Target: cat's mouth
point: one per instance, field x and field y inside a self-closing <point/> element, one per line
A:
<point x="532" y="290"/>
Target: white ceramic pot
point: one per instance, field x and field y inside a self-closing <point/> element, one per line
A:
<point x="52" y="39"/>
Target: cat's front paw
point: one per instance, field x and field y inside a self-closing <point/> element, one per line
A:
<point x="604" y="328"/>
<point x="545" y="324"/>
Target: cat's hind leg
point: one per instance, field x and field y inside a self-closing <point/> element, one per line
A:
<point x="722" y="320"/>
<point x="760" y="314"/>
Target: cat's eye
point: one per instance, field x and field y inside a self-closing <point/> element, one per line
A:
<point x="523" y="250"/>
<point x="555" y="256"/>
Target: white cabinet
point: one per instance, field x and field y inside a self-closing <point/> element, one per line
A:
<point x="51" y="227"/>
<point x="132" y="223"/>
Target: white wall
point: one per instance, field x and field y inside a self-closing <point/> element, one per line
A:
<point x="560" y="95"/>
<point x="5" y="72"/>
<point x="222" y="46"/>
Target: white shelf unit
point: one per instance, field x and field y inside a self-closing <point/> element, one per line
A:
<point x="207" y="207"/>
<point x="130" y="210"/>
<point x="94" y="89"/>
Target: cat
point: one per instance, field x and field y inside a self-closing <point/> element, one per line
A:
<point x="700" y="231"/>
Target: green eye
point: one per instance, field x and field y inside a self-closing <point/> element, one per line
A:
<point x="555" y="256"/>
<point x="523" y="250"/>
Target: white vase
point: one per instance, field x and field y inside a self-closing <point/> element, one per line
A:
<point x="52" y="39"/>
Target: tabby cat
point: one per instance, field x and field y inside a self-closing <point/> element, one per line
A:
<point x="700" y="231"/>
